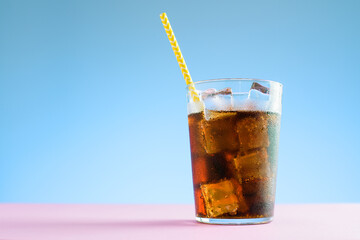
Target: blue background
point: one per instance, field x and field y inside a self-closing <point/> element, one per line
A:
<point x="93" y="108"/>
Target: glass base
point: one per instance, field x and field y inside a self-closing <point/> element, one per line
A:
<point x="234" y="221"/>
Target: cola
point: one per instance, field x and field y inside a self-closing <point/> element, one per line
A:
<point x="234" y="163"/>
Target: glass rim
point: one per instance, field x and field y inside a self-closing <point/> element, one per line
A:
<point x="234" y="79"/>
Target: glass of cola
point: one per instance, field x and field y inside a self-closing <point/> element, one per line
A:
<point x="234" y="140"/>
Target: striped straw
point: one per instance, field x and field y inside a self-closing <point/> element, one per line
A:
<point x="179" y="57"/>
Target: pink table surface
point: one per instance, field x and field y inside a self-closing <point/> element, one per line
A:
<point x="62" y="221"/>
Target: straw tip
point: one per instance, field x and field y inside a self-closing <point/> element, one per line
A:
<point x="163" y="14"/>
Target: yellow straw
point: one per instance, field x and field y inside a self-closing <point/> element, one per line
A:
<point x="179" y="57"/>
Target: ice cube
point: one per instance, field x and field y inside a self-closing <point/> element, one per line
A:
<point x="195" y="107"/>
<point x="220" y="132"/>
<point x="221" y="198"/>
<point x="213" y="92"/>
<point x="208" y="92"/>
<point x="216" y="115"/>
<point x="253" y="165"/>
<point x="217" y="100"/>
<point x="225" y="91"/>
<point x="257" y="182"/>
<point x="259" y="96"/>
<point x="260" y="88"/>
<point x="253" y="132"/>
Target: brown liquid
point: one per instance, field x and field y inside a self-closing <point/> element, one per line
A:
<point x="234" y="162"/>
